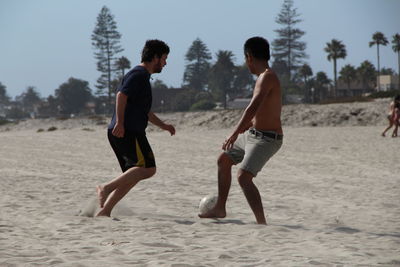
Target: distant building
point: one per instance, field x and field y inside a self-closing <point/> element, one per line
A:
<point x="388" y="82"/>
<point x="355" y="88"/>
<point x="238" y="103"/>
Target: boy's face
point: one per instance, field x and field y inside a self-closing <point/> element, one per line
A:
<point x="159" y="63"/>
<point x="249" y="62"/>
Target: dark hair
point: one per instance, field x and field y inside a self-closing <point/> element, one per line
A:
<point x="154" y="48"/>
<point x="257" y="47"/>
<point x="397" y="101"/>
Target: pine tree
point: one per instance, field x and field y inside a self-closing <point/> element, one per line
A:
<point x="198" y="64"/>
<point x="106" y="42"/>
<point x="287" y="47"/>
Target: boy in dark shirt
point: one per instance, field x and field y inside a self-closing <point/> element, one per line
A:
<point x="126" y="131"/>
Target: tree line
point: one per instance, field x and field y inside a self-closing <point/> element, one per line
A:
<point x="205" y="82"/>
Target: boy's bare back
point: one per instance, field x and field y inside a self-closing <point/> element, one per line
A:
<point x="268" y="115"/>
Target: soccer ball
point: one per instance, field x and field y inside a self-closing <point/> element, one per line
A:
<point x="207" y="203"/>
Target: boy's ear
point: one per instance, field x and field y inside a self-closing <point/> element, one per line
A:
<point x="249" y="57"/>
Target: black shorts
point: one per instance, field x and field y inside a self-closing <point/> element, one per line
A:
<point x="132" y="150"/>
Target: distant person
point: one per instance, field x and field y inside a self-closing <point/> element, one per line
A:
<point x="126" y="132"/>
<point x="257" y="136"/>
<point x="393" y="116"/>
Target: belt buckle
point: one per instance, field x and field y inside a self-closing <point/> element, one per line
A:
<point x="258" y="134"/>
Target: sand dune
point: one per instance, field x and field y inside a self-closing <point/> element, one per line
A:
<point x="331" y="194"/>
<point x="353" y="114"/>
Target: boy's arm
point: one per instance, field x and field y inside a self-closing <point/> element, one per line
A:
<point x="119" y="129"/>
<point x="156" y="121"/>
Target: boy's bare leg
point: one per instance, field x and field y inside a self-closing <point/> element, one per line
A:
<point x="224" y="184"/>
<point x="396" y="128"/>
<point x="387" y="129"/>
<point x="112" y="192"/>
<point x="252" y="195"/>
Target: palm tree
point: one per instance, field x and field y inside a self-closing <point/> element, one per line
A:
<point x="366" y="73"/>
<point x="121" y="64"/>
<point x="321" y="83"/>
<point x="396" y="48"/>
<point x="221" y="76"/>
<point x="335" y="50"/>
<point x="378" y="39"/>
<point x="348" y="74"/>
<point x="305" y="71"/>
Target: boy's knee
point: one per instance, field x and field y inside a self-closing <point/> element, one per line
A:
<point x="224" y="160"/>
<point x="244" y="181"/>
<point x="245" y="178"/>
<point x="150" y="172"/>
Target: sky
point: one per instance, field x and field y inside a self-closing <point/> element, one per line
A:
<point x="45" y="42"/>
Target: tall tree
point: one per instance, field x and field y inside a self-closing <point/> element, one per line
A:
<point x="4" y="98"/>
<point x="366" y="74"/>
<point x="348" y="74"/>
<point x="305" y="72"/>
<point x="396" y="48"/>
<point x="198" y="64"/>
<point x="335" y="50"/>
<point x="288" y="47"/>
<point x="378" y="39"/>
<point x="221" y="76"/>
<point x="122" y="64"/>
<point x="106" y="42"/>
<point x="73" y="95"/>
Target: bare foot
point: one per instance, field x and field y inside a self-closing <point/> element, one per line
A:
<point x="213" y="213"/>
<point x="262" y="222"/>
<point x="102" y="194"/>
<point x="383" y="134"/>
<point x="102" y="213"/>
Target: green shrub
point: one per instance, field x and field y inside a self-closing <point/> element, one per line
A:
<point x="4" y="121"/>
<point x="203" y="104"/>
<point x="349" y="99"/>
<point x="385" y="94"/>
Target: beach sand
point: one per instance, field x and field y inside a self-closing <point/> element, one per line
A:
<point x="331" y="195"/>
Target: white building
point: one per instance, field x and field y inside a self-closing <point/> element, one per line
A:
<point x="387" y="82"/>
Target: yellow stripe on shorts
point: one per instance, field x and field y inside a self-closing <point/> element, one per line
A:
<point x="141" y="162"/>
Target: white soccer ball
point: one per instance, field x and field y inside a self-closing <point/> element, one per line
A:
<point x="207" y="203"/>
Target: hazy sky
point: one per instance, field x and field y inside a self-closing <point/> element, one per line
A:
<point x="45" y="42"/>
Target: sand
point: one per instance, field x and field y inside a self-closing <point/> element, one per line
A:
<point x="331" y="195"/>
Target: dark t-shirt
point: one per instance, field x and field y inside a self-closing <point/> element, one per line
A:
<point x="135" y="85"/>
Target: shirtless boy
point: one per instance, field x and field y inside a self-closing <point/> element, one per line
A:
<point x="257" y="136"/>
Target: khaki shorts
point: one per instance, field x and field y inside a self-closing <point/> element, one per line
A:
<point x="253" y="151"/>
